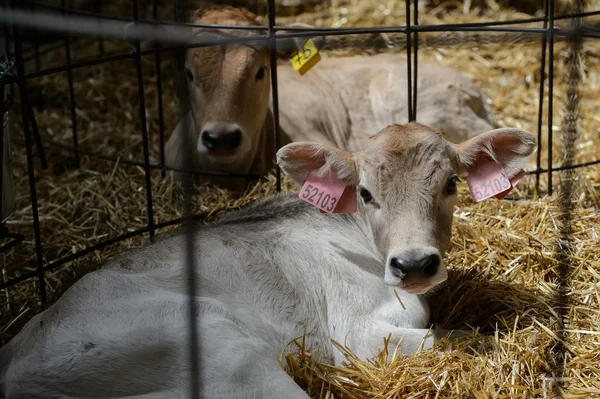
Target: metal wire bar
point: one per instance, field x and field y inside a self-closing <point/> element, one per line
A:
<point x="101" y="245"/>
<point x="114" y="26"/>
<point x="143" y="126"/>
<point x="550" y="88"/>
<point x="159" y="98"/>
<point x="243" y="40"/>
<point x="409" y="77"/>
<point x="71" y="96"/>
<point x="415" y="58"/>
<point x="81" y="64"/>
<point x="538" y="158"/>
<point x="36" y="51"/>
<point x="16" y="240"/>
<point x="30" y="168"/>
<point x="36" y="136"/>
<point x="548" y="34"/>
<point x="98" y="4"/>
<point x="274" y="88"/>
<point x="152" y="165"/>
<point x="277" y="27"/>
<point x="4" y="107"/>
<point x="252" y="176"/>
<point x="190" y="252"/>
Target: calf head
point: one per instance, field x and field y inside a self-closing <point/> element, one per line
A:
<point x="229" y="90"/>
<point x="406" y="185"/>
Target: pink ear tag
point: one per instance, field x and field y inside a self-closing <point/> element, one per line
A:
<point x="328" y="193"/>
<point x="513" y="183"/>
<point x="487" y="178"/>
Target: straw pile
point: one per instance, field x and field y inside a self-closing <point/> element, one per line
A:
<point x="503" y="259"/>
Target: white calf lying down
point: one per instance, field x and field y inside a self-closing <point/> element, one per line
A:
<point x="338" y="102"/>
<point x="267" y="274"/>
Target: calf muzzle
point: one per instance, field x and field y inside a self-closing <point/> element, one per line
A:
<point x="424" y="267"/>
<point x="218" y="141"/>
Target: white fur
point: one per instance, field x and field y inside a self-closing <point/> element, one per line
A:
<point x="123" y="331"/>
<point x="266" y="275"/>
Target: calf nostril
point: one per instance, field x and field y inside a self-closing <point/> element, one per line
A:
<point x="399" y="266"/>
<point x="432" y="264"/>
<point x="234" y="139"/>
<point x="208" y="140"/>
<point x="222" y="140"/>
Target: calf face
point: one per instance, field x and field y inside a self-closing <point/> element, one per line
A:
<point x="229" y="90"/>
<point x="406" y="184"/>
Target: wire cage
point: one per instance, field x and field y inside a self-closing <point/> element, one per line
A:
<point x="26" y="47"/>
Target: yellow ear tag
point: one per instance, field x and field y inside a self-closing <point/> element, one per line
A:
<point x="306" y="57"/>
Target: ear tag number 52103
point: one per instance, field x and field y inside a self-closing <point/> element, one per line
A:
<point x="328" y="193"/>
<point x="487" y="178"/>
<point x="305" y="58"/>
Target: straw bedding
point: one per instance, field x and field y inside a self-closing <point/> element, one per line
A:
<point x="504" y="258"/>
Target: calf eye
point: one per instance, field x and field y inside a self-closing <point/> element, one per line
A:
<point x="366" y="195"/>
<point x="261" y="72"/>
<point x="451" y="184"/>
<point x="189" y="75"/>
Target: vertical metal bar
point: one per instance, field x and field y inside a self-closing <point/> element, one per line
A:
<point x="550" y="89"/>
<point x="36" y="49"/>
<point x="71" y="96"/>
<point x="409" y="62"/>
<point x="98" y="8"/>
<point x="274" y="89"/>
<point x="192" y="275"/>
<point x="30" y="169"/>
<point x="415" y="59"/>
<point x="36" y="135"/>
<point x="161" y="124"/>
<point x="2" y="110"/>
<point x="140" y="80"/>
<point x="6" y="29"/>
<point x="538" y="160"/>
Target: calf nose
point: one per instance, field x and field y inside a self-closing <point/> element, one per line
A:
<point x="222" y="140"/>
<point x="426" y="266"/>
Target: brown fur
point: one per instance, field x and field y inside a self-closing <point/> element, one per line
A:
<point x="337" y="103"/>
<point x="225" y="15"/>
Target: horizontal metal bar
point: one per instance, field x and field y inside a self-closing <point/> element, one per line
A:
<point x="96" y="247"/>
<point x="152" y="165"/>
<point x="561" y="168"/>
<point x="80" y="64"/>
<point x="68" y="10"/>
<point x="278" y="28"/>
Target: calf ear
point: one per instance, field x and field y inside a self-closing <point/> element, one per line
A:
<point x="298" y="159"/>
<point x="287" y="46"/>
<point x="129" y="35"/>
<point x="510" y="147"/>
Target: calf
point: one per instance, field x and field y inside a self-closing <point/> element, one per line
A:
<point x="229" y="127"/>
<point x="266" y="274"/>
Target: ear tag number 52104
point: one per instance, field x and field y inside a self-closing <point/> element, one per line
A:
<point x="305" y="58"/>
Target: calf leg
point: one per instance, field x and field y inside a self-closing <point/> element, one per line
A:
<point x="241" y="365"/>
<point x="368" y="341"/>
